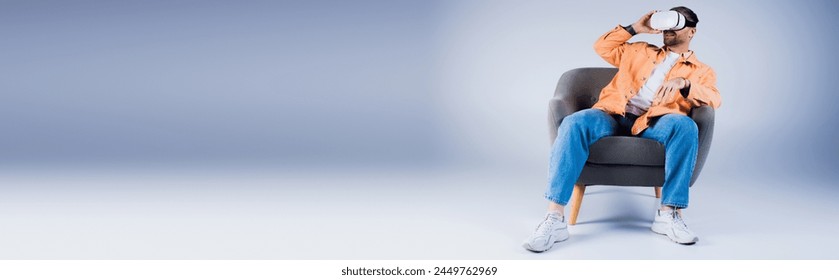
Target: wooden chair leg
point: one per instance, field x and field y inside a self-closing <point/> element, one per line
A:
<point x="657" y="192"/>
<point x="576" y="201"/>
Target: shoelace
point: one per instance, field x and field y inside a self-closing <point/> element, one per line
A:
<point x="546" y="225"/>
<point x="678" y="221"/>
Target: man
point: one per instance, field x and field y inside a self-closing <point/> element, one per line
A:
<point x="650" y="97"/>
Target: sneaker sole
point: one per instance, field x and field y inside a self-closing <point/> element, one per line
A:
<point x="562" y="237"/>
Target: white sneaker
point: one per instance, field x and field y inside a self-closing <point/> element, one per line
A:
<point x="670" y="223"/>
<point x="551" y="230"/>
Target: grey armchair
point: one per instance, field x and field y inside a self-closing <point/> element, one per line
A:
<point x="617" y="160"/>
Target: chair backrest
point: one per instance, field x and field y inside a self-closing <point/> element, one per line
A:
<point x="583" y="85"/>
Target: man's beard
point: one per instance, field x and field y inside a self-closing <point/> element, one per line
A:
<point x="671" y="41"/>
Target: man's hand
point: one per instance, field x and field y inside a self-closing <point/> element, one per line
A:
<point x="670" y="88"/>
<point x="643" y="25"/>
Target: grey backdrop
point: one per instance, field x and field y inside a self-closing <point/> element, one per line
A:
<point x="384" y="130"/>
<point x="383" y="83"/>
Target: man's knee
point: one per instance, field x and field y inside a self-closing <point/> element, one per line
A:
<point x="680" y="124"/>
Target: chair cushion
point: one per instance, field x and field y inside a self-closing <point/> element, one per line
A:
<point x="627" y="150"/>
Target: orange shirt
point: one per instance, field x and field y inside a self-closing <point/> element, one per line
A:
<point x="635" y="62"/>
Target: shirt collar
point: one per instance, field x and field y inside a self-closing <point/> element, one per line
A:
<point x="685" y="57"/>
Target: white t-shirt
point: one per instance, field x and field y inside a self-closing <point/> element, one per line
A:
<point x="640" y="103"/>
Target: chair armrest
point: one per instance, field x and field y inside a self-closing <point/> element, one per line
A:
<point x="558" y="109"/>
<point x="704" y="118"/>
<point x="576" y="89"/>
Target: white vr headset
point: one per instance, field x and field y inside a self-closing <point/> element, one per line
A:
<point x="669" y="20"/>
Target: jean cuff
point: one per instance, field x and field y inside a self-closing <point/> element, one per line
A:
<point x="675" y="205"/>
<point x="556" y="200"/>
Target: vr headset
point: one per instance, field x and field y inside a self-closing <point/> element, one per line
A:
<point x="669" y="20"/>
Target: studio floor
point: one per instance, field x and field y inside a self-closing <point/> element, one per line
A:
<point x="390" y="214"/>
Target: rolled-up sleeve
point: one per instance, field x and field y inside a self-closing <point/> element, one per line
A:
<point x="704" y="90"/>
<point x="612" y="45"/>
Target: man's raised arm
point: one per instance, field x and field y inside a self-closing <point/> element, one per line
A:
<point x="611" y="45"/>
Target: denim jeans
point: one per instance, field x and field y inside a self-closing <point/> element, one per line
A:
<point x="578" y="131"/>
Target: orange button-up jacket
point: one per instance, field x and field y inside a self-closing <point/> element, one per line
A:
<point x="635" y="62"/>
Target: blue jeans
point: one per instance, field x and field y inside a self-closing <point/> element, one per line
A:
<point x="579" y="130"/>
